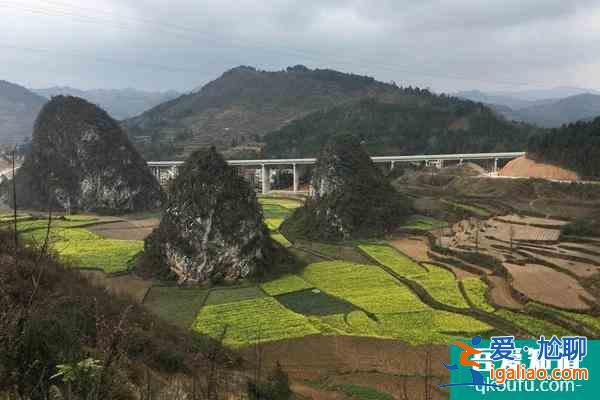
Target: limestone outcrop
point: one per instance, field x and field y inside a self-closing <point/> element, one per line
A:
<point x="212" y="225"/>
<point x="351" y="197"/>
<point x="81" y="160"/>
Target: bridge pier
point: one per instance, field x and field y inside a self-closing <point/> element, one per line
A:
<point x="266" y="179"/>
<point x="495" y="170"/>
<point x="296" y="178"/>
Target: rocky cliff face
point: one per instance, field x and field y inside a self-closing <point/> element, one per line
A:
<point x="212" y="227"/>
<point x="351" y="197"/>
<point x="82" y="161"/>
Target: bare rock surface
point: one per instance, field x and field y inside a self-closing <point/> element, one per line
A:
<point x="212" y="224"/>
<point x="81" y="160"/>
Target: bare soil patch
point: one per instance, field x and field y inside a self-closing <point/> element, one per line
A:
<point x="549" y="286"/>
<point x="416" y="247"/>
<point x="524" y="167"/>
<point x="400" y="387"/>
<point x="389" y="366"/>
<point x="501" y="295"/>
<point x="126" y="230"/>
<point x="527" y="220"/>
<point x="577" y="268"/>
<point x="312" y="356"/>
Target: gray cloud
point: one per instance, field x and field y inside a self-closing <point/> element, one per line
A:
<point x="444" y="44"/>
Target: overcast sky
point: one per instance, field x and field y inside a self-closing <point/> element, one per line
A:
<point x="446" y="45"/>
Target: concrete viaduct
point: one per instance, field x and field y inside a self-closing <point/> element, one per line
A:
<point x="267" y="164"/>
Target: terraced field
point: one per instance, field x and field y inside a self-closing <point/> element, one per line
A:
<point x="252" y="321"/>
<point x="423" y="223"/>
<point x="357" y="294"/>
<point x="80" y="247"/>
<point x="275" y="210"/>
<point x="332" y="297"/>
<point x="440" y="283"/>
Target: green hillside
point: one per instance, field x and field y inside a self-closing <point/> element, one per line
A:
<point x="574" y="146"/>
<point x="243" y="104"/>
<point x="419" y="122"/>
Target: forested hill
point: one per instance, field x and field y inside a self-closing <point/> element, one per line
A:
<point x="574" y="146"/>
<point x="245" y="103"/>
<point x="418" y="123"/>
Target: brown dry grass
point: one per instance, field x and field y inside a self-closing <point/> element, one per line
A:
<point x="126" y="285"/>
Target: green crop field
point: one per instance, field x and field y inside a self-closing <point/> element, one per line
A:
<point x="441" y="284"/>
<point x="275" y="211"/>
<point x="282" y="240"/>
<point x="289" y="204"/>
<point x="285" y="284"/>
<point x="352" y="299"/>
<point x="365" y="286"/>
<point x="176" y="305"/>
<point x="233" y="294"/>
<point x="423" y="223"/>
<point x="80" y="247"/>
<point x="476" y="289"/>
<point x="315" y="302"/>
<point x="252" y="321"/>
<point x="533" y="325"/>
<point x="479" y="211"/>
<point x="273" y="223"/>
<point x="394" y="260"/>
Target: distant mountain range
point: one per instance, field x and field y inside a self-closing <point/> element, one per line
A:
<point x="18" y="110"/>
<point x="119" y="103"/>
<point x="545" y="107"/>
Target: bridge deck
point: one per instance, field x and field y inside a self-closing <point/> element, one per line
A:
<point x="377" y="159"/>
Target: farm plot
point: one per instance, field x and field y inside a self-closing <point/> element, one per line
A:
<point x="275" y="211"/>
<point x="367" y="287"/>
<point x="476" y="290"/>
<point x="252" y="321"/>
<point x="533" y="325"/>
<point x="176" y="305"/>
<point x="440" y="283"/>
<point x="78" y="246"/>
<point x="389" y="257"/>
<point x="315" y="302"/>
<point x="416" y="247"/>
<point x="580" y="269"/>
<point x="285" y="284"/>
<point x="423" y="223"/>
<point x="418" y="327"/>
<point x="233" y="295"/>
<point x="282" y="240"/>
<point x="479" y="211"/>
<point x="548" y="286"/>
<point x="336" y="251"/>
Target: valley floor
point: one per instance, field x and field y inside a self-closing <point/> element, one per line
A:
<point x="363" y="315"/>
